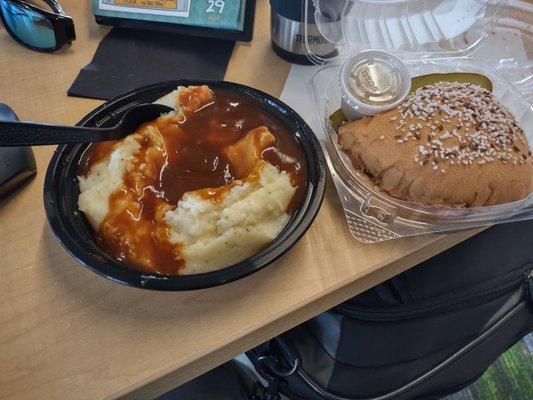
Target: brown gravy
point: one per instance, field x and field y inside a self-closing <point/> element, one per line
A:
<point x="188" y="158"/>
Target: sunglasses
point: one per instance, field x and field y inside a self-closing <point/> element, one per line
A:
<point x="35" y="28"/>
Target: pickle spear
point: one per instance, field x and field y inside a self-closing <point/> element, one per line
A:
<point x="337" y="119"/>
<point x="462" y="77"/>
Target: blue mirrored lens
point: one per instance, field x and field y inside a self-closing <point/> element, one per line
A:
<point x="29" y="26"/>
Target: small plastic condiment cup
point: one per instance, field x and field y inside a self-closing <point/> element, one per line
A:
<point x="372" y="82"/>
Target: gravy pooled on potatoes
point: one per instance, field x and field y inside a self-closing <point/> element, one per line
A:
<point x="195" y="191"/>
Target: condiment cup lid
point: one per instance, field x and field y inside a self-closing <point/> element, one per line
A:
<point x="373" y="81"/>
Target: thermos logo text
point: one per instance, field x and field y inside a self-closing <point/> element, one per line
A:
<point x="311" y="39"/>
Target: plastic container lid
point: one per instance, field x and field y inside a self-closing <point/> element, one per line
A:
<point x="429" y="36"/>
<point x="427" y="28"/>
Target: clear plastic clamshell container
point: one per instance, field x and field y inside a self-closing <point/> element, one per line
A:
<point x="490" y="37"/>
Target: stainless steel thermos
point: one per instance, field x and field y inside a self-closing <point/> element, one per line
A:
<point x="288" y="33"/>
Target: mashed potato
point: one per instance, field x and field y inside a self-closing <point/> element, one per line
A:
<point x="104" y="179"/>
<point x="211" y="234"/>
<point x="206" y="229"/>
<point x="217" y="234"/>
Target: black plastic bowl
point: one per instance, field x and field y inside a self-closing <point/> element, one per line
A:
<point x="77" y="237"/>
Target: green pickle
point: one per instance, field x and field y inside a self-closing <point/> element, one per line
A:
<point x="462" y="77"/>
<point x="338" y="118"/>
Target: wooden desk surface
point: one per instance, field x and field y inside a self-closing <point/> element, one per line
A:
<point x="67" y="333"/>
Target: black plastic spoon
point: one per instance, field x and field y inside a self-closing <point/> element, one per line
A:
<point x="33" y="134"/>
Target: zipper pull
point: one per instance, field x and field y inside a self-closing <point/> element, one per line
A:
<point x="275" y="375"/>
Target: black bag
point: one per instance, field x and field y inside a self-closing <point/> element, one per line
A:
<point x="230" y="381"/>
<point x="422" y="335"/>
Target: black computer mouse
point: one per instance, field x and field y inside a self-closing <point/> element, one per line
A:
<point x="17" y="164"/>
